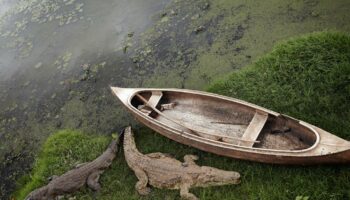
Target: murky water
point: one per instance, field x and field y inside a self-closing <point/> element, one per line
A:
<point x="37" y="35"/>
<point x="5" y="5"/>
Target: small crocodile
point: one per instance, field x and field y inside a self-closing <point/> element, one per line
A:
<point x="163" y="171"/>
<point x="71" y="181"/>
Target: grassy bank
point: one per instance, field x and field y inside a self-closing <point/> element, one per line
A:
<point x="305" y="77"/>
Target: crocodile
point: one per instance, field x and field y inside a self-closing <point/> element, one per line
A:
<point x="163" y="171"/>
<point x="83" y="174"/>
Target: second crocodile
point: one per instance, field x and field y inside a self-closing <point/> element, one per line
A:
<point x="162" y="171"/>
<point x="84" y="174"/>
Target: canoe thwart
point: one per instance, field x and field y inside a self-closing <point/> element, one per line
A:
<point x="152" y="102"/>
<point x="254" y="129"/>
<point x="155" y="98"/>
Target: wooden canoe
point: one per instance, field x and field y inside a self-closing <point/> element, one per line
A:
<point x="232" y="127"/>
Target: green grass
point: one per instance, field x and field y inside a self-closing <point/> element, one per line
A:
<point x="306" y="77"/>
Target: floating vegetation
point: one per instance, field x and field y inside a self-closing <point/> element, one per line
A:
<point x="26" y="84"/>
<point x="130" y="34"/>
<point x="19" y="26"/>
<point x="45" y="10"/>
<point x="199" y="29"/>
<point x="23" y="45"/>
<point x="12" y="107"/>
<point x="95" y="68"/>
<point x="90" y="71"/>
<point x="62" y="62"/>
<point x="67" y="56"/>
<point x="38" y="65"/>
<point x="25" y="49"/>
<point x="13" y="23"/>
<point x="79" y="7"/>
<point x="128" y="42"/>
<point x="164" y="19"/>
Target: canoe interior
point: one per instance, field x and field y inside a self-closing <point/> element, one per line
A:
<point x="226" y="120"/>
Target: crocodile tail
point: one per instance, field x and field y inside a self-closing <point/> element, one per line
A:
<point x="129" y="141"/>
<point x="114" y="145"/>
<point x="115" y="142"/>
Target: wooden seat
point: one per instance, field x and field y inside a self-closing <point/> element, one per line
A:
<point x="155" y="98"/>
<point x="253" y="130"/>
<point x="153" y="102"/>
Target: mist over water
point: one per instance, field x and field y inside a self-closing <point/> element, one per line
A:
<point x="6" y="5"/>
<point x="37" y="36"/>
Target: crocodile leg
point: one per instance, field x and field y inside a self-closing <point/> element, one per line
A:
<point x="92" y="180"/>
<point x="185" y="193"/>
<point x="141" y="185"/>
<point x="93" y="183"/>
<point x="189" y="159"/>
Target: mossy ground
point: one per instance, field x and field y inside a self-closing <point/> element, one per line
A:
<point x="305" y="77"/>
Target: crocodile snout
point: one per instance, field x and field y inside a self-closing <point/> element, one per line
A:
<point x="212" y="176"/>
<point x="230" y="177"/>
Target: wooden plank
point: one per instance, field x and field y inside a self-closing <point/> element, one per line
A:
<point x="253" y="130"/>
<point x="153" y="101"/>
<point x="155" y="98"/>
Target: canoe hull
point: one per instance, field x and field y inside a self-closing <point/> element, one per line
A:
<point x="328" y="149"/>
<point x="337" y="158"/>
